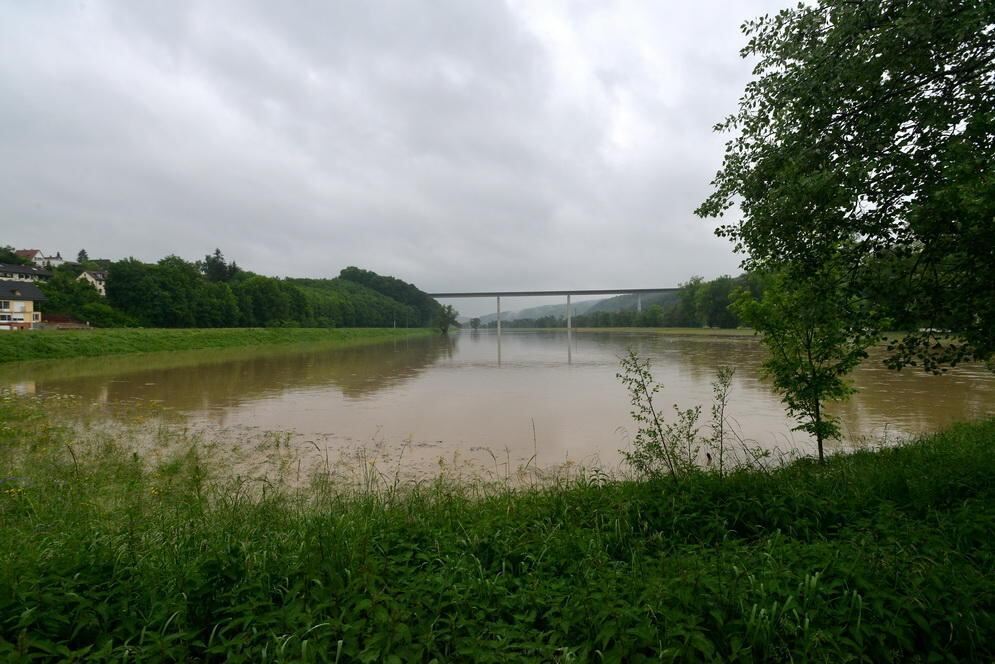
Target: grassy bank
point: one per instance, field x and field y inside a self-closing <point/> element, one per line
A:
<point x="877" y="556"/>
<point x="43" y="345"/>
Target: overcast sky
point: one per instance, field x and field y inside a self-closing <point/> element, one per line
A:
<point x="457" y="144"/>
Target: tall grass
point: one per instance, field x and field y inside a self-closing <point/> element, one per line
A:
<point x="56" y="344"/>
<point x="878" y="555"/>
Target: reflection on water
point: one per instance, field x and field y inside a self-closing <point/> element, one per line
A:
<point x="542" y="394"/>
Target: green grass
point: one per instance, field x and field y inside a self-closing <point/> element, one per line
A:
<point x="59" y="344"/>
<point x="876" y="556"/>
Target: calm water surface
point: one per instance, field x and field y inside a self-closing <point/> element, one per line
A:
<point x="473" y="398"/>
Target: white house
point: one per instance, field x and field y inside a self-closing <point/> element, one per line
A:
<point x="41" y="260"/>
<point x="96" y="278"/>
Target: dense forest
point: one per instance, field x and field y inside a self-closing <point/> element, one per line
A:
<point x="216" y="293"/>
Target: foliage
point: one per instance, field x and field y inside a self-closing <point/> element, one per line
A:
<point x="215" y="268"/>
<point x="45" y="345"/>
<point x="445" y="318"/>
<point x="217" y="293"/>
<point x="343" y="303"/>
<point x="8" y="257"/>
<point x="395" y="289"/>
<point x="659" y="447"/>
<point x="869" y="130"/>
<point x="66" y="294"/>
<point x="82" y="257"/>
<point x="712" y="302"/>
<point x="812" y="348"/>
<point x="874" y="556"/>
<point x="717" y="442"/>
<point x="475" y="323"/>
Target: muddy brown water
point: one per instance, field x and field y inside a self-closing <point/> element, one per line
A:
<point x="530" y="398"/>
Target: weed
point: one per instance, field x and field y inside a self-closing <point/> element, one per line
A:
<point x="879" y="555"/>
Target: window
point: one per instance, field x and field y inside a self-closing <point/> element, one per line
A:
<point x="5" y="317"/>
<point x="36" y="317"/>
<point x="4" y="305"/>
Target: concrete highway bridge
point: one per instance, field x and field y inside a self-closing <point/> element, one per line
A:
<point x="638" y="292"/>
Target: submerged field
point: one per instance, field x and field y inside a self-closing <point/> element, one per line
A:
<point x="55" y="344"/>
<point x="876" y="555"/>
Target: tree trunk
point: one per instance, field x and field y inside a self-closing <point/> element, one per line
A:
<point x="818" y="429"/>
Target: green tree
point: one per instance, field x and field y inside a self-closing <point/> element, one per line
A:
<point x="215" y="268"/>
<point x="178" y="289"/>
<point x="811" y="348"/>
<point x="216" y="306"/>
<point x="67" y="295"/>
<point x="82" y="257"/>
<point x="685" y="312"/>
<point x="712" y="300"/>
<point x="395" y="289"/>
<point x="8" y="257"/>
<point x="652" y="316"/>
<point x="262" y="301"/>
<point x="475" y="323"/>
<point x="446" y="318"/>
<point x="869" y="131"/>
<point x="132" y="289"/>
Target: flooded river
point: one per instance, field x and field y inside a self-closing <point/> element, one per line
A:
<point x="529" y="398"/>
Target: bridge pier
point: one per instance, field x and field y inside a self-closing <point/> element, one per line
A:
<point x="569" y="314"/>
<point x="639" y="303"/>
<point x="499" y="314"/>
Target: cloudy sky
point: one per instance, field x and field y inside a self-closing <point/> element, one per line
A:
<point x="457" y="144"/>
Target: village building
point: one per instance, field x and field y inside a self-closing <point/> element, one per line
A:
<point x="41" y="260"/>
<point x="23" y="273"/>
<point x="96" y="278"/>
<point x="18" y="305"/>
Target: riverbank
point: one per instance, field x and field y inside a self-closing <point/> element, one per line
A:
<point x="678" y="331"/>
<point x="667" y="331"/>
<point x="881" y="555"/>
<point x="61" y="344"/>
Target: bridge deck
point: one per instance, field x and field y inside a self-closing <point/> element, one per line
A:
<point x="609" y="291"/>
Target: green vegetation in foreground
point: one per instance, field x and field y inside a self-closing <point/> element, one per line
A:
<point x="875" y="556"/>
<point x="43" y="345"/>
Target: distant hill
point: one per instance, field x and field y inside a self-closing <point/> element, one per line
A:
<point x="558" y="310"/>
<point x="617" y="303"/>
<point x="629" y="302"/>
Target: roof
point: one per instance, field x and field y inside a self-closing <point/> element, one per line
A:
<point x="99" y="275"/>
<point x="25" y="269"/>
<point x="27" y="253"/>
<point x="20" y="290"/>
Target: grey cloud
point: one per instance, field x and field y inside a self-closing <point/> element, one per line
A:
<point x="457" y="144"/>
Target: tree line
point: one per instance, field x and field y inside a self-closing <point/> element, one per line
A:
<point x="213" y="292"/>
<point x="699" y="303"/>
